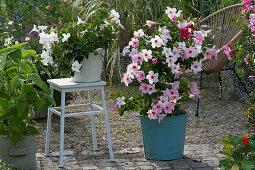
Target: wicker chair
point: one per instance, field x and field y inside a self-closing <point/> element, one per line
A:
<point x="224" y="31"/>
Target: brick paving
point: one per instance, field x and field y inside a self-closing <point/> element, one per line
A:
<point x="198" y="157"/>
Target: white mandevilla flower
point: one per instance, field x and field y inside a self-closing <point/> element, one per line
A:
<point x="126" y="50"/>
<point x="65" y="37"/>
<point x="139" y="33"/>
<point x="34" y="29"/>
<point x="152" y="77"/>
<point x="175" y="53"/>
<point x="42" y="27"/>
<point x="166" y="51"/>
<point x="175" y="68"/>
<point x="147" y="55"/>
<point x="80" y="21"/>
<point x="120" y="101"/>
<point x="171" y="61"/>
<point x="196" y="67"/>
<point x="156" y="42"/>
<point x="76" y="66"/>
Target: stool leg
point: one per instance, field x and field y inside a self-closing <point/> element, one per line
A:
<point x="47" y="144"/>
<point x="92" y="117"/>
<point x="62" y="121"/>
<point x="108" y="132"/>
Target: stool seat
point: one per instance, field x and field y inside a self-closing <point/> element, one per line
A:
<point x="65" y="85"/>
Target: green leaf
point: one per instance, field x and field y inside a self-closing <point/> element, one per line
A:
<point x="121" y="112"/>
<point x="16" y="82"/>
<point x="31" y="66"/>
<point x="15" y="136"/>
<point x="15" y="55"/>
<point x="28" y="52"/>
<point x="19" y="45"/>
<point x="6" y="51"/>
<point x="21" y="105"/>
<point x="48" y="97"/>
<point x="37" y="80"/>
<point x="13" y="123"/>
<point x="30" y="130"/>
<point x="25" y="67"/>
<point x="247" y="165"/>
<point x="40" y="104"/>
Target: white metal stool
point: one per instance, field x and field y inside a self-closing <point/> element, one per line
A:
<point x="66" y="85"/>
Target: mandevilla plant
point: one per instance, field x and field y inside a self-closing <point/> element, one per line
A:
<point x="159" y="60"/>
<point x="21" y="92"/>
<point x="70" y="45"/>
<point x="239" y="151"/>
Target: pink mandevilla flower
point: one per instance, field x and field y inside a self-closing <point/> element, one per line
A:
<point x="169" y="107"/>
<point x="160" y="117"/>
<point x="154" y="61"/>
<point x="228" y="52"/>
<point x="194" y="90"/>
<point x="152" y="114"/>
<point x="163" y="100"/>
<point x="134" y="42"/>
<point x="150" y="23"/>
<point x="144" y="88"/>
<point x="133" y="52"/>
<point x="126" y="79"/>
<point x="137" y="57"/>
<point x="158" y="108"/>
<point x="140" y="76"/>
<point x="151" y="89"/>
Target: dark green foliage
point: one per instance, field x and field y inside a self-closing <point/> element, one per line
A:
<point x="21" y="91"/>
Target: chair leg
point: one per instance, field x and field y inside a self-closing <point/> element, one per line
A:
<point x="200" y="85"/>
<point x="92" y="117"/>
<point x="239" y="79"/>
<point x="62" y="132"/>
<point x="107" y="126"/>
<point x="221" y="94"/>
<point x="47" y="144"/>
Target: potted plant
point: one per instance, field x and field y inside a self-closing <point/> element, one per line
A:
<point x="81" y="45"/>
<point x="159" y="61"/>
<point x="21" y="91"/>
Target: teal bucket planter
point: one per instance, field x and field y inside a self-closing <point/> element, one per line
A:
<point x="164" y="140"/>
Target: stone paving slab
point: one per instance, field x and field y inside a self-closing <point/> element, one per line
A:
<point x="198" y="157"/>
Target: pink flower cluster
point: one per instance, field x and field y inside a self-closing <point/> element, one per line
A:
<point x="149" y="53"/>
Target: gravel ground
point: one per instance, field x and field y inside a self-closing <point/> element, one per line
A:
<point x="217" y="118"/>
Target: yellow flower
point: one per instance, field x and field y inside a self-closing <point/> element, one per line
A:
<point x="47" y="7"/>
<point x="235" y="167"/>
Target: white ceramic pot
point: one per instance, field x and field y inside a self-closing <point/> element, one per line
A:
<point x="91" y="68"/>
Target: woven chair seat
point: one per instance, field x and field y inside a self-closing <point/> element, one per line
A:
<point x="224" y="31"/>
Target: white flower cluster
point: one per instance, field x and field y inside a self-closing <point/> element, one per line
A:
<point x="47" y="40"/>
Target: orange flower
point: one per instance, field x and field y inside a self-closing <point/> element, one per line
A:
<point x="245" y="141"/>
<point x="238" y="146"/>
<point x="47" y="7"/>
<point x="243" y="136"/>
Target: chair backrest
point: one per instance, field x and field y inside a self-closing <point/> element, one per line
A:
<point x="224" y="30"/>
